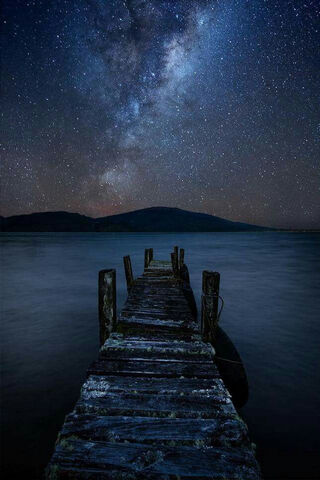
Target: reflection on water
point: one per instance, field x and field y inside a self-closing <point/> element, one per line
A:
<point x="270" y="283"/>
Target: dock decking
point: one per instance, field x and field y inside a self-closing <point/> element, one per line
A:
<point x="154" y="405"/>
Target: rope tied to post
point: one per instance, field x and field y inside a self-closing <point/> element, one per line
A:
<point x="221" y="308"/>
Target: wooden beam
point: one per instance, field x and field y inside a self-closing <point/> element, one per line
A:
<point x="107" y="303"/>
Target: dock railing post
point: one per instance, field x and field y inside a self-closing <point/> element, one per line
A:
<point x="128" y="271"/>
<point x="107" y="303"/>
<point x="209" y="304"/>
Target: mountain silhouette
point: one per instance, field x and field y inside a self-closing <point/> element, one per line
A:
<point x="154" y="219"/>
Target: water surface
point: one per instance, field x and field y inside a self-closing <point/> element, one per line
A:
<point x="49" y="333"/>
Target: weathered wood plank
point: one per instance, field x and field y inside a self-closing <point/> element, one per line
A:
<point x="179" y="350"/>
<point x="174" y="302"/>
<point x="153" y="354"/>
<point x="156" y="311"/>
<point x="196" y="337"/>
<point x="157" y="308"/>
<point x="116" y="339"/>
<point x="172" y="405"/>
<point x="88" y="459"/>
<point x="163" y="431"/>
<point x="158" y="335"/>
<point x="159" y="263"/>
<point x="164" y="281"/>
<point x="157" y="315"/>
<point x="145" y="284"/>
<point x="116" y="384"/>
<point x="146" y="292"/>
<point x="154" y="267"/>
<point x="157" y="324"/>
<point x="154" y="368"/>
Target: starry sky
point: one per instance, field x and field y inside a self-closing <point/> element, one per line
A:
<point x="208" y="105"/>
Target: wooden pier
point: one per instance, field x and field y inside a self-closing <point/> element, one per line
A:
<point x="154" y="405"/>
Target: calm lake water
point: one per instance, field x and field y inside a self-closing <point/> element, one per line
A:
<point x="49" y="333"/>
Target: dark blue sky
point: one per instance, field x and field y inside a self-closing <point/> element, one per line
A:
<point x="211" y="106"/>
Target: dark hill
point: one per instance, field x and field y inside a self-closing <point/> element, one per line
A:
<point x="156" y="219"/>
<point x="48" y="222"/>
<point x="164" y="219"/>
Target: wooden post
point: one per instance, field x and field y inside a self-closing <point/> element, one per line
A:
<point x="107" y="303"/>
<point x="209" y="304"/>
<point x="174" y="262"/>
<point x="148" y="257"/>
<point x="181" y="258"/>
<point x="184" y="274"/>
<point x="187" y="290"/>
<point x="128" y="271"/>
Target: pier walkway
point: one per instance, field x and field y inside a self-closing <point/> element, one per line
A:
<point x="153" y="405"/>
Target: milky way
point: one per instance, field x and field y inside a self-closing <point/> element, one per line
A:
<point x="211" y="106"/>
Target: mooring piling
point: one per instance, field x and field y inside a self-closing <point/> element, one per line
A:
<point x="148" y="257"/>
<point x="175" y="264"/>
<point x="209" y="304"/>
<point x="181" y="258"/>
<point x="107" y="303"/>
<point x="175" y="261"/>
<point x="128" y="271"/>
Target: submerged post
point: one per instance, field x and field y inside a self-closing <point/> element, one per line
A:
<point x="107" y="303"/>
<point x="128" y="271"/>
<point x="209" y="304"/>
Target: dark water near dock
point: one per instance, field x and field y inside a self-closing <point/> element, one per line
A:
<point x="49" y="333"/>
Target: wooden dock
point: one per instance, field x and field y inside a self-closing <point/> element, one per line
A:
<point x="153" y="405"/>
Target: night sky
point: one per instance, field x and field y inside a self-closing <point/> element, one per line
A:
<point x="211" y="106"/>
